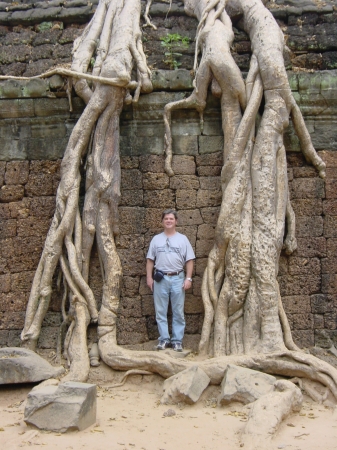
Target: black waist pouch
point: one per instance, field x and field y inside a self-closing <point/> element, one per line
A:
<point x="158" y="275"/>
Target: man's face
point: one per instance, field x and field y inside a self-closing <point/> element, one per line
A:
<point x="169" y="222"/>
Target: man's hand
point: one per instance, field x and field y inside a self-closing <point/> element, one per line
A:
<point x="149" y="282"/>
<point x="187" y="284"/>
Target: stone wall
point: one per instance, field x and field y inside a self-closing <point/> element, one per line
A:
<point x="36" y="35"/>
<point x="35" y="125"/>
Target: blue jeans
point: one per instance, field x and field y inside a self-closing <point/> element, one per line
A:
<point x="170" y="288"/>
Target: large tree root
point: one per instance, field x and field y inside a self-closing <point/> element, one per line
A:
<point x="287" y="363"/>
<point x="267" y="413"/>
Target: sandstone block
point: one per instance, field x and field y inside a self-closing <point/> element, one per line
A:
<point x="190" y="217"/>
<point x="307" y="188"/>
<point x="5" y="212"/>
<point x="11" y="193"/>
<point x="23" y="262"/>
<point x="330" y="226"/>
<point x="131" y="330"/>
<point x="132" y="220"/>
<point x="186" y="198"/>
<point x="19" y="365"/>
<point x="297" y="304"/>
<point x="329" y="265"/>
<point x="156" y="181"/>
<point x="4" y="338"/>
<point x="329" y="157"/>
<point x="318" y="321"/>
<point x="12" y="320"/>
<point x="203" y="247"/>
<point x="210" y="144"/>
<point x="309" y="226"/>
<point x="2" y="172"/>
<point x="330" y="207"/>
<point x="184" y="182"/>
<point x="129" y="162"/>
<point x="300" y="284"/>
<point x="311" y="247"/>
<point x="209" y="198"/>
<point x="210" y="183"/>
<point x="13" y="301"/>
<point x="210" y="215"/>
<point x="206" y="231"/>
<point x="130" y="286"/>
<point x="322" y="303"/>
<point x="200" y="266"/>
<point x="185" y="145"/>
<point x="331" y="188"/>
<point x="303" y="321"/>
<point x="193" y="323"/>
<point x="39" y="184"/>
<point x="304" y="338"/>
<point x="131" y="197"/>
<point x="68" y="406"/>
<point x="133" y="262"/>
<point x="164" y="198"/>
<point x="213" y="159"/>
<point x="130" y="241"/>
<point x="153" y="218"/>
<point x="48" y="337"/>
<point x="244" y="385"/>
<point x="299" y="266"/>
<point x="130" y="307"/>
<point x="329" y="283"/>
<point x="307" y="207"/>
<point x="193" y="304"/>
<point x="20" y="210"/>
<point x="209" y="171"/>
<point x="17" y="172"/>
<point x="143" y="287"/>
<point x="5" y="283"/>
<point x="331" y="245"/>
<point x="183" y="165"/>
<point x="305" y="172"/>
<point x="148" y="306"/>
<point x="330" y="320"/>
<point x="152" y="163"/>
<point x="187" y="386"/>
<point x="131" y="179"/>
<point x="32" y="226"/>
<point x="7" y="228"/>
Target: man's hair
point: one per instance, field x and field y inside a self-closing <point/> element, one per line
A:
<point x="169" y="211"/>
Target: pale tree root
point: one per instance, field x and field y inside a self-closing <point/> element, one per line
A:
<point x="126" y="375"/>
<point x="267" y="413"/>
<point x="287" y="363"/>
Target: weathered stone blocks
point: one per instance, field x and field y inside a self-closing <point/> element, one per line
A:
<point x="68" y="406"/>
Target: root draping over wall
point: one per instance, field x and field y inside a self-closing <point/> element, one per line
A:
<point x="244" y="321"/>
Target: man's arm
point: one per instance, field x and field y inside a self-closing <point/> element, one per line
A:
<point x="149" y="272"/>
<point x="189" y="271"/>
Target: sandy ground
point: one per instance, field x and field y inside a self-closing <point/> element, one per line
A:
<point x="131" y="417"/>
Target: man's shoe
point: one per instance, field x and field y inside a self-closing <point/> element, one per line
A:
<point x="162" y="345"/>
<point x="177" y="347"/>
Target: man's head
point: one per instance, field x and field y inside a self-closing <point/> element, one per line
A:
<point x="169" y="219"/>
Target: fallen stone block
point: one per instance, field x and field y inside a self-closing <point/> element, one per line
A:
<point x="244" y="385"/>
<point x="20" y="365"/>
<point x="187" y="386"/>
<point x="68" y="406"/>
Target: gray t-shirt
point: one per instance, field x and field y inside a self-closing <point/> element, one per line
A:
<point x="170" y="253"/>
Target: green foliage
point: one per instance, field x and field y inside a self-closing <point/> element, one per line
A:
<point x="170" y="42"/>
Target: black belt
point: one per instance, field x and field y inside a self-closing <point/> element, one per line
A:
<point x="171" y="274"/>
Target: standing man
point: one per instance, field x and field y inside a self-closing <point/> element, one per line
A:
<point x="168" y="253"/>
